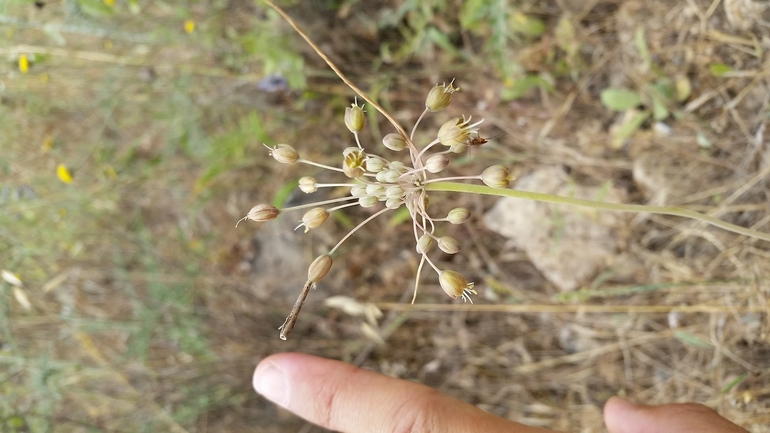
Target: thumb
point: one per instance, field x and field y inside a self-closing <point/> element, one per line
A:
<point x="622" y="416"/>
<point x="344" y="398"/>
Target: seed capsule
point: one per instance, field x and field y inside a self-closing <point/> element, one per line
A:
<point x="425" y="244"/>
<point x="453" y="283"/>
<point x="319" y="268"/>
<point x="496" y="176"/>
<point x="284" y="154"/>
<point x="374" y="165"/>
<point x="307" y="184"/>
<point x="367" y="201"/>
<point x="314" y="218"/>
<point x="394" y="142"/>
<point x="440" y="96"/>
<point x="261" y="213"/>
<point x="448" y="245"/>
<point x="353" y="162"/>
<point x="436" y="163"/>
<point x="358" y="190"/>
<point x="394" y="191"/>
<point x="354" y="118"/>
<point x="458" y="215"/>
<point x="393" y="203"/>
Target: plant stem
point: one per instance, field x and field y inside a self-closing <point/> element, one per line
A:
<point x="636" y="208"/>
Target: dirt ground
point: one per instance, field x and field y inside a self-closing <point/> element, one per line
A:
<point x="149" y="310"/>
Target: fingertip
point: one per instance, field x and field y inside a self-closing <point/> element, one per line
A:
<point x="616" y="412"/>
<point x="272" y="378"/>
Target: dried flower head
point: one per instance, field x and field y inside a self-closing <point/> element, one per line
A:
<point x="384" y="184"/>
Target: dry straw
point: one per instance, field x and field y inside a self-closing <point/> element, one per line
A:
<point x="373" y="179"/>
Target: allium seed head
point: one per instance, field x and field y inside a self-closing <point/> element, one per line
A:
<point x="496" y="176"/>
<point x="284" y="154"/>
<point x="314" y="218"/>
<point x="448" y="245"/>
<point x="354" y="118"/>
<point x="319" y="268"/>
<point x="458" y="215"/>
<point x="436" y="163"/>
<point x="307" y="184"/>
<point x="394" y="142"/>
<point x="440" y="96"/>
<point x="261" y="213"/>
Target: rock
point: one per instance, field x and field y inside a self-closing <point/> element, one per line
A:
<point x="568" y="244"/>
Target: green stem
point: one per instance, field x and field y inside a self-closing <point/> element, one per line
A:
<point x="636" y="208"/>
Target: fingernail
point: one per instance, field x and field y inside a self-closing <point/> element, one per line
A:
<point x="271" y="381"/>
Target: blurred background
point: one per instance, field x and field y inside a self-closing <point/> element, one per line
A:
<point x="131" y="139"/>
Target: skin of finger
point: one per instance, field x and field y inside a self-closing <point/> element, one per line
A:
<point x="622" y="416"/>
<point x="345" y="398"/>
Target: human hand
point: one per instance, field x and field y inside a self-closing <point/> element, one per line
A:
<point x="345" y="398"/>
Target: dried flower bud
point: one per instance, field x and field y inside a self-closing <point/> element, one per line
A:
<point x="440" y="96"/>
<point x="283" y="153"/>
<point x="354" y="118"/>
<point x="425" y="244"/>
<point x="261" y="213"/>
<point x="448" y="245"/>
<point x="374" y="164"/>
<point x="454" y="284"/>
<point x="367" y="201"/>
<point x="393" y="203"/>
<point x="458" y="215"/>
<point x="374" y="189"/>
<point x="394" y="191"/>
<point x="391" y="176"/>
<point x="314" y="218"/>
<point x="319" y="268"/>
<point x="436" y="163"/>
<point x="307" y="184"/>
<point x="496" y="176"/>
<point x="353" y="162"/>
<point x="358" y="191"/>
<point x="394" y="142"/>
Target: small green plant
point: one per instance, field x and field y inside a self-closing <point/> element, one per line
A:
<point x="373" y="179"/>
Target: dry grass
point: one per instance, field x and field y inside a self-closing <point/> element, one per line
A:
<point x="161" y="314"/>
